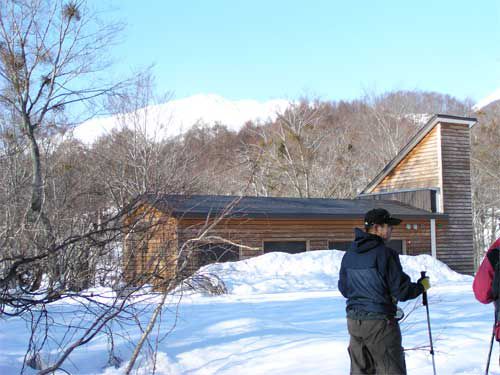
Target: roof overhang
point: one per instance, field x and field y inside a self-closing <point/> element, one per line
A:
<point x="415" y="140"/>
<point x="266" y="208"/>
<point x="300" y="216"/>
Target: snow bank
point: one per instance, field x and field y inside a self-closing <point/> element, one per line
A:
<point x="280" y="272"/>
<point x="439" y="272"/>
<point x="311" y="271"/>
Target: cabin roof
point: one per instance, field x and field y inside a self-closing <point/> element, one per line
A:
<point x="470" y="121"/>
<point x="193" y="206"/>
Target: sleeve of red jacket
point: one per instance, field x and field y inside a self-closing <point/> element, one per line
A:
<point x="484" y="278"/>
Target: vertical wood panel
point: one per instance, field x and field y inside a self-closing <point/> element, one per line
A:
<point x="419" y="169"/>
<point x="456" y="243"/>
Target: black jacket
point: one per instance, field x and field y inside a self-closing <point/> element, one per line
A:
<point x="371" y="277"/>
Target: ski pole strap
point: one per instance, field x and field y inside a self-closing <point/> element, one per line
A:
<point x="424" y="294"/>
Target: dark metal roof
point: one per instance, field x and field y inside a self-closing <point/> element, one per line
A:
<point x="274" y="207"/>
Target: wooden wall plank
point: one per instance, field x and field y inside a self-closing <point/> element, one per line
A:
<point x="455" y="245"/>
<point x="419" y="169"/>
<point x="253" y="232"/>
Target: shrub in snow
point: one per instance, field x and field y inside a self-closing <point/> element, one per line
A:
<point x="205" y="283"/>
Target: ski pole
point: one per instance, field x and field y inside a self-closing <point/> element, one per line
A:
<point x="491" y="348"/>
<point x="426" y="304"/>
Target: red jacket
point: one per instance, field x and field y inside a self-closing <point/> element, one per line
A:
<point x="484" y="278"/>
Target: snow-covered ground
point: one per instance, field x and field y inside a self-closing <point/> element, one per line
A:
<point x="283" y="315"/>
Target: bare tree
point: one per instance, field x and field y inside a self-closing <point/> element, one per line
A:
<point x="47" y="51"/>
<point x="88" y="217"/>
<point x="51" y="54"/>
<point x="139" y="156"/>
<point x="485" y="179"/>
<point x="47" y="48"/>
<point x="287" y="150"/>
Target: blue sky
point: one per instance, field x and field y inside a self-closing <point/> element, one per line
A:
<point x="328" y="49"/>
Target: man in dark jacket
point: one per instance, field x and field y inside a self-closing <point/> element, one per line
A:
<point x="373" y="281"/>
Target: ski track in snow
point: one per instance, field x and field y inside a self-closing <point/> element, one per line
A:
<point x="283" y="315"/>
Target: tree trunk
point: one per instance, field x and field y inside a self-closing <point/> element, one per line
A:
<point x="37" y="182"/>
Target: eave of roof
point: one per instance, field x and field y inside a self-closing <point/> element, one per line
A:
<point x="299" y="216"/>
<point x="415" y="140"/>
<point x="202" y="206"/>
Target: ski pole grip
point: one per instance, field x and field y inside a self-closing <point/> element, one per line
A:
<point x="424" y="294"/>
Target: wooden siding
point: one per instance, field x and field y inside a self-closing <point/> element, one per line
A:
<point x="253" y="232"/>
<point x="150" y="247"/>
<point x="422" y="198"/>
<point x="455" y="244"/>
<point x="419" y="169"/>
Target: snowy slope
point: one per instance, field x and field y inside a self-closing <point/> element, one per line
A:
<point x="177" y="116"/>
<point x="283" y="315"/>
<point x="493" y="97"/>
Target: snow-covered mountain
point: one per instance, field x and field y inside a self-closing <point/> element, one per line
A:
<point x="177" y="116"/>
<point x="493" y="97"/>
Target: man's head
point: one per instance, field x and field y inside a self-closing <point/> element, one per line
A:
<point x="380" y="222"/>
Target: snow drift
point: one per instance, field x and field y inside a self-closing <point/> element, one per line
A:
<point x="311" y="271"/>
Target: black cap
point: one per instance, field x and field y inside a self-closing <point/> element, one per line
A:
<point x="380" y="216"/>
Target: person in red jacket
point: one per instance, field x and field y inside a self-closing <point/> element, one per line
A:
<point x="482" y="285"/>
<point x="483" y="282"/>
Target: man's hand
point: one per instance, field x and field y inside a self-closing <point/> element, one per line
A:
<point x="425" y="282"/>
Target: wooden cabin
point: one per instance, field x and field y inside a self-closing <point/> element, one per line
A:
<point x="427" y="185"/>
<point x="243" y="227"/>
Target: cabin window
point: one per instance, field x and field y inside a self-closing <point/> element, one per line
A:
<point x="339" y="245"/>
<point x="434" y="201"/>
<point x="291" y="247"/>
<point x="217" y="252"/>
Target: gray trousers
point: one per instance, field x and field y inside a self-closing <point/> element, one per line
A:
<point x="375" y="347"/>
